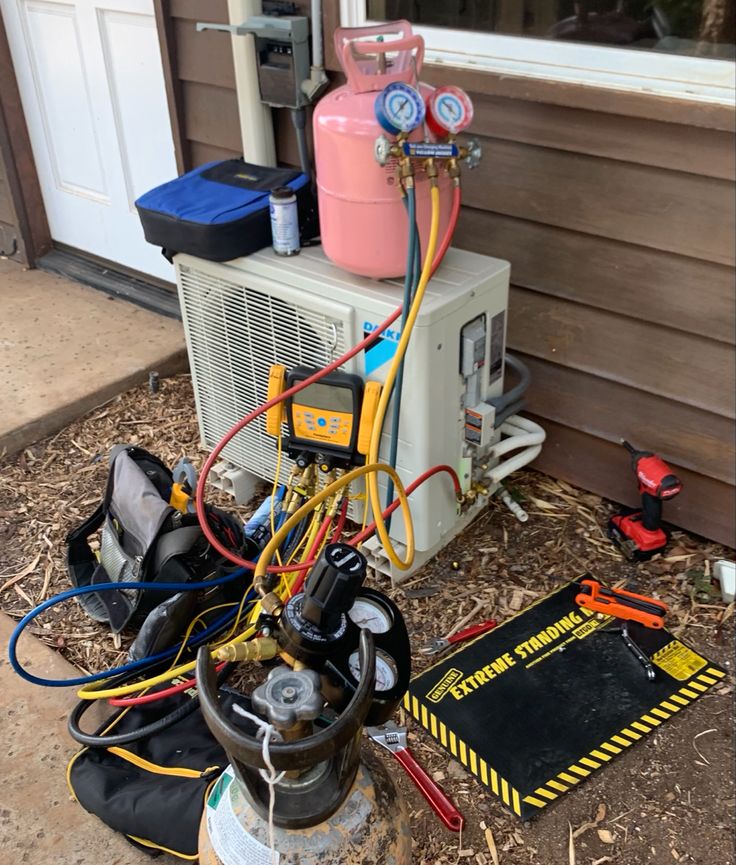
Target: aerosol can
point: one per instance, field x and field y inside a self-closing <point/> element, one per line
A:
<point x="299" y="789"/>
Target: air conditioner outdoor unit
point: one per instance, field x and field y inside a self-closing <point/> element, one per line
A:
<point x="242" y="316"/>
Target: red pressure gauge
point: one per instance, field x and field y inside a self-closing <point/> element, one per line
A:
<point x="449" y="111"/>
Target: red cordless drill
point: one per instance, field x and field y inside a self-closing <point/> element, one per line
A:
<point x="639" y="533"/>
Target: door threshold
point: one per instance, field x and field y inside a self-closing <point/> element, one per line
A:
<point x="104" y="276"/>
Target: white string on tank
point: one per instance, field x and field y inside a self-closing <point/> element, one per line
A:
<point x="267" y="733"/>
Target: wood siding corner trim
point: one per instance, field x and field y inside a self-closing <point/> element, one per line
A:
<point x="170" y="63"/>
<point x="21" y="179"/>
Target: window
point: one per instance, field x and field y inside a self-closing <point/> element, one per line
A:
<point x="680" y="48"/>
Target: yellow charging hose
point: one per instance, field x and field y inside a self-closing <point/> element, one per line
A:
<point x="94" y="691"/>
<point x="375" y="443"/>
<point x="371" y="469"/>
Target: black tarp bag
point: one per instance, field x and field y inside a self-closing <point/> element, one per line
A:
<point x="153" y="790"/>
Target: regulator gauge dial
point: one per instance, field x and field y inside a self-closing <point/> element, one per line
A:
<point x="387" y="673"/>
<point x="449" y="111"/>
<point x="399" y="108"/>
<point x="367" y="613"/>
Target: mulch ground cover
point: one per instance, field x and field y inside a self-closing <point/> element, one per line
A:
<point x="669" y="799"/>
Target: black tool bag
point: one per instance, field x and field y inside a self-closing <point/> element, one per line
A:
<point x="143" y="539"/>
<point x="153" y="790"/>
<point x="220" y="210"/>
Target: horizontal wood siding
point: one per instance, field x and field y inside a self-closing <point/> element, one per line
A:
<point x="676" y="291"/>
<point x="620" y="232"/>
<point x="705" y="506"/>
<point x="685" y="214"/>
<point x="618" y="214"/>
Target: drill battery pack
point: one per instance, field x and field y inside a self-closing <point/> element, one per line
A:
<point x="626" y="529"/>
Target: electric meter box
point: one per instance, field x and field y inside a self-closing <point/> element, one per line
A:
<point x="243" y="316"/>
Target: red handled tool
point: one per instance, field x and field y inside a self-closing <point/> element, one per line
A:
<point x="393" y="738"/>
<point x="639" y="533"/>
<point x="621" y="604"/>
<point x="440" y="644"/>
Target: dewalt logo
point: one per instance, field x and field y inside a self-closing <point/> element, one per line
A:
<point x="451" y="677"/>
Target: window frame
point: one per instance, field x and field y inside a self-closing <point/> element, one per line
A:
<point x="687" y="78"/>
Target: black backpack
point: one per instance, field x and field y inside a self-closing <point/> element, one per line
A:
<point x="145" y="539"/>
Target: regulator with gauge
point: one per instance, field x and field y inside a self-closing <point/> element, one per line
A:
<point x="378" y="613"/>
<point x="320" y="628"/>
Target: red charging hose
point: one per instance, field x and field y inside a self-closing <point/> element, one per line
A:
<point x="357" y="539"/>
<point x="341" y="520"/>
<point x="312" y="554"/>
<point x="251" y="416"/>
<point x="451" y="226"/>
<point x="303" y="567"/>
<point x="425" y="476"/>
<point x="159" y="695"/>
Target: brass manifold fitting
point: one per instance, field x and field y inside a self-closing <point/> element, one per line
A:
<point x="474" y="492"/>
<point x="300" y="485"/>
<point x="384" y="149"/>
<point x="257" y="649"/>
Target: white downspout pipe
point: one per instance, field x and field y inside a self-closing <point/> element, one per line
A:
<point x="316" y="16"/>
<point x="318" y="79"/>
<point x="256" y="123"/>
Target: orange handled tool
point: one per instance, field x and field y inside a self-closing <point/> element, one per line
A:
<point x="621" y="604"/>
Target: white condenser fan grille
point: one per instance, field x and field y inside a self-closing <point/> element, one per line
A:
<point x="235" y="333"/>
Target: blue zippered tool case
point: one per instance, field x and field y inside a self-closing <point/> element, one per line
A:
<point x="220" y="210"/>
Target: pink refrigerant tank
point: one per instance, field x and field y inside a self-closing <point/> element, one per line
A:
<point x="362" y="217"/>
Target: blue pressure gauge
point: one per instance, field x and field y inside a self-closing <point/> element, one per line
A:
<point x="399" y="108"/>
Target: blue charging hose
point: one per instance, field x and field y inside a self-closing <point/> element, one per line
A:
<point x="410" y="283"/>
<point x="133" y="665"/>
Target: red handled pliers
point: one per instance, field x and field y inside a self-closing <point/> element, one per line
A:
<point x="440" y="644"/>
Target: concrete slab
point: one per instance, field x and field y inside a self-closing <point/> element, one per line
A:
<point x="66" y="348"/>
<point x="40" y="824"/>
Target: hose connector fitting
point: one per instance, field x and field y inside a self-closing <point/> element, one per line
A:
<point x="471" y="153"/>
<point x="271" y="604"/>
<point x="430" y="167"/>
<point x="453" y="170"/>
<point x="406" y="172"/>
<point x="257" y="649"/>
